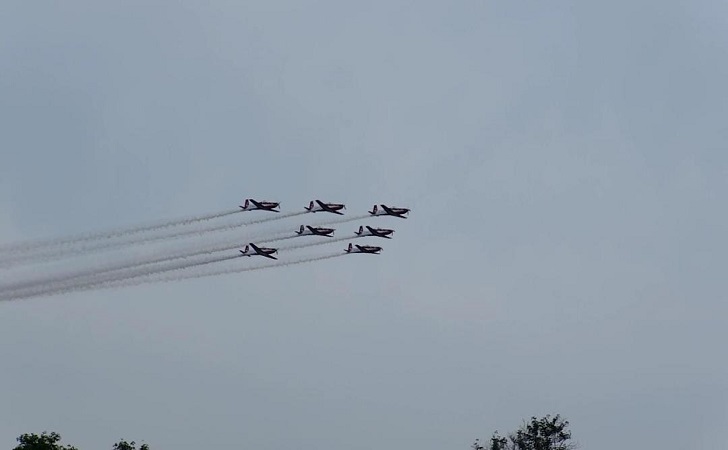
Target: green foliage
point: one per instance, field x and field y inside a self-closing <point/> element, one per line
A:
<point x="50" y="441"/>
<point x="547" y="433"/>
<point x="44" y="441"/>
<point x="498" y="442"/>
<point x="124" y="445"/>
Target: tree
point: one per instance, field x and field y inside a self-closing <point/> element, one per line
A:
<point x="124" y="445"/>
<point x="547" y="433"/>
<point x="45" y="441"/>
<point x="50" y="441"/>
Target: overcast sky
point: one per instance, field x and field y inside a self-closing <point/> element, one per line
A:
<point x="566" y="167"/>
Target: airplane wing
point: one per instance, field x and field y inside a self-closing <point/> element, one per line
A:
<point x="260" y="252"/>
<point x="326" y="208"/>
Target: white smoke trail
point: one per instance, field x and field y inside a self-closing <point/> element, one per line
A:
<point x="88" y="275"/>
<point x="59" y="253"/>
<point x="347" y="219"/>
<point x="70" y="287"/>
<point x="317" y="243"/>
<point x="324" y="223"/>
<point x="53" y="242"/>
<point x="147" y="278"/>
<point x="99" y="270"/>
<point x="216" y="272"/>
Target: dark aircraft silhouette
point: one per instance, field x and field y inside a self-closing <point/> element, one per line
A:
<point x="308" y="230"/>
<point x="252" y="205"/>
<point x="363" y="249"/>
<point x="378" y="232"/>
<point x="318" y="206"/>
<point x="261" y="251"/>
<point x="388" y="211"/>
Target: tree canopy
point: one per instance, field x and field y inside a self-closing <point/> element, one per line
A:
<point x="546" y="433"/>
<point x="124" y="445"/>
<point x="44" y="441"/>
<point x="51" y="441"/>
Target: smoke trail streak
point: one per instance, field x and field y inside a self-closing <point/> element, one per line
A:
<point x="75" y="251"/>
<point x="320" y="223"/>
<point x="316" y="243"/>
<point x="190" y="276"/>
<point x="61" y="289"/>
<point x="144" y="278"/>
<point x="347" y="219"/>
<point x="185" y="255"/>
<point x="95" y="271"/>
<point x="53" y="242"/>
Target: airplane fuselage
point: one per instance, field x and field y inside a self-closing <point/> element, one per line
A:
<point x="319" y="206"/>
<point x="251" y="250"/>
<point x="375" y="232"/>
<point x="363" y="249"/>
<point x="382" y="235"/>
<point x="384" y="210"/>
<point x="370" y="234"/>
<point x="252" y="205"/>
<point x="315" y="231"/>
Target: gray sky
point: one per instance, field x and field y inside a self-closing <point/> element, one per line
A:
<point x="566" y="166"/>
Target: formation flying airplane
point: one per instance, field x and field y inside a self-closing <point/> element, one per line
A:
<point x="378" y="232"/>
<point x="308" y="230"/>
<point x="389" y="211"/>
<point x="252" y="205"/>
<point x="318" y="206"/>
<point x="252" y="250"/>
<point x="363" y="249"/>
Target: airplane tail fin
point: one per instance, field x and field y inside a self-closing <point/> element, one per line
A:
<point x="374" y="210"/>
<point x="310" y="205"/>
<point x="300" y="230"/>
<point x="361" y="230"/>
<point x="348" y="249"/>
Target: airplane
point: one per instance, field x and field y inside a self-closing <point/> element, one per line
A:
<point x="388" y="211"/>
<point x="318" y="206"/>
<point x="252" y="205"/>
<point x="262" y="251"/>
<point x="378" y="232"/>
<point x="308" y="230"/>
<point x="363" y="249"/>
